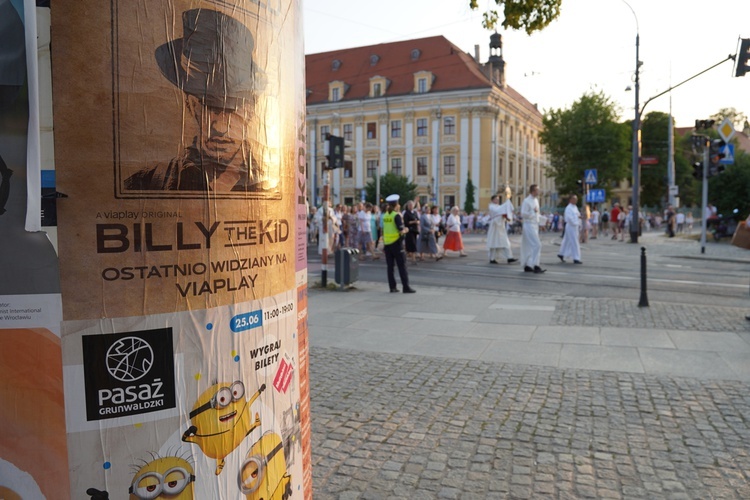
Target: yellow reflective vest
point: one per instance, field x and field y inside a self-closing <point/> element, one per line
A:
<point x="391" y="234"/>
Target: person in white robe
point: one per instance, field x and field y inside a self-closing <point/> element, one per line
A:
<point x="498" y="244"/>
<point x="570" y="247"/>
<point x="531" y="246"/>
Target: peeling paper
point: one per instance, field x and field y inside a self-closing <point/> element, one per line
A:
<point x="180" y="144"/>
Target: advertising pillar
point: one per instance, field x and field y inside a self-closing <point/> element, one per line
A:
<point x="179" y="142"/>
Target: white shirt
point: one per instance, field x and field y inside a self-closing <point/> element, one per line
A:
<point x="364" y="217"/>
<point x="530" y="210"/>
<point x="572" y="215"/>
<point x="595" y="217"/>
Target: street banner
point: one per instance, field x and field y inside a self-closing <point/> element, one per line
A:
<point x="179" y="139"/>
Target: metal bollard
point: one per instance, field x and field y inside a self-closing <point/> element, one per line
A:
<point x="643" y="302"/>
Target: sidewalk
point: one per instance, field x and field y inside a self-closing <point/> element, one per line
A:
<point x="467" y="394"/>
<point x="486" y="326"/>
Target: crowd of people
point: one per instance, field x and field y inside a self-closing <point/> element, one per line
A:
<point x="413" y="233"/>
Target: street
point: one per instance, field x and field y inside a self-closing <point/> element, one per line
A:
<point x="677" y="272"/>
<point x="494" y="383"/>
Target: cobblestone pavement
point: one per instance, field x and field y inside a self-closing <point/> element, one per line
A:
<point x="412" y="427"/>
<point x="627" y="314"/>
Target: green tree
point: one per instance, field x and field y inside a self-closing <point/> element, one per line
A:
<point x="588" y="135"/>
<point x="529" y="15"/>
<point x="736" y="117"/>
<point x="469" y="203"/>
<point x="391" y="183"/>
<point x="655" y="142"/>
<point x="731" y="188"/>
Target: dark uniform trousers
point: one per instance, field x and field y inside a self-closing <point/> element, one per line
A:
<point x="394" y="253"/>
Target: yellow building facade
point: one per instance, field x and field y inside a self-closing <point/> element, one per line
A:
<point x="425" y="110"/>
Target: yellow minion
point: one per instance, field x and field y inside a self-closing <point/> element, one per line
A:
<point x="221" y="419"/>
<point x="263" y="474"/>
<point x="167" y="478"/>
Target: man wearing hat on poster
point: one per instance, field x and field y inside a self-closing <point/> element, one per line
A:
<point x="213" y="66"/>
<point x="393" y="230"/>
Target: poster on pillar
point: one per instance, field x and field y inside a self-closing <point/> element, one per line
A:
<point x="179" y="131"/>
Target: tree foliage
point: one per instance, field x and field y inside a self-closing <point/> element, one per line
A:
<point x="588" y="135"/>
<point x="655" y="142"/>
<point x="736" y="117"/>
<point x="731" y="188"/>
<point x="391" y="183"/>
<point x="469" y="199"/>
<point x="528" y="15"/>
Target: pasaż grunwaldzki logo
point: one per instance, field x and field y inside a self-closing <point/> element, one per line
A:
<point x="128" y="373"/>
<point x="129" y="359"/>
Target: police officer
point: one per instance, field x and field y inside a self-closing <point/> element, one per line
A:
<point x="393" y="229"/>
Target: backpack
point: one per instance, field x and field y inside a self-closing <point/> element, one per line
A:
<point x="605" y="218"/>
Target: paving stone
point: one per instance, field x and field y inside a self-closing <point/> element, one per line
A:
<point x="392" y="426"/>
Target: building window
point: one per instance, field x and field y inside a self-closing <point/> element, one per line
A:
<point x="347" y="169"/>
<point x="422" y="127"/>
<point x="449" y="201"/>
<point x="396" y="166"/>
<point x="510" y="168"/>
<point x="348" y="201"/>
<point x="502" y="129"/>
<point x="372" y="168"/>
<point x="449" y="125"/>
<point x="499" y="168"/>
<point x="348" y="128"/>
<point x="422" y="85"/>
<point x="449" y="165"/>
<point x="396" y="128"/>
<point x="423" y="200"/>
<point x="324" y="131"/>
<point x="376" y="90"/>
<point x="421" y="165"/>
<point x="372" y="130"/>
<point x="335" y="94"/>
<point x="511" y="134"/>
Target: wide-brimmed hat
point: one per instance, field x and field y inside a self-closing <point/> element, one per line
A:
<point x="213" y="60"/>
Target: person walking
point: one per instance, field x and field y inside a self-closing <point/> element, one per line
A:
<point x="498" y="244"/>
<point x="594" y="222"/>
<point x="614" y="220"/>
<point x="570" y="246"/>
<point x="427" y="229"/>
<point x="531" y="246"/>
<point x="411" y="221"/>
<point x="453" y="240"/>
<point x="393" y="247"/>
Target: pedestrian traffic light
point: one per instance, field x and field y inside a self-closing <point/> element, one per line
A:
<point x="698" y="170"/>
<point x="715" y="155"/>
<point x="579" y="186"/>
<point x="743" y="58"/>
<point x="334" y="151"/>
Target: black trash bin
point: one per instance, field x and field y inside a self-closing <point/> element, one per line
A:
<point x="347" y="266"/>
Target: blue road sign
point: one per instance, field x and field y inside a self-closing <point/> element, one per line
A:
<point x="596" y="196"/>
<point x="590" y="176"/>
<point x="728" y="155"/>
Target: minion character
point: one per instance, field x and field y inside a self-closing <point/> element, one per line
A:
<point x="263" y="474"/>
<point x="221" y="419"/>
<point x="168" y="478"/>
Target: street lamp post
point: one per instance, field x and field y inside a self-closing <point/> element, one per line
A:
<point x="635" y="217"/>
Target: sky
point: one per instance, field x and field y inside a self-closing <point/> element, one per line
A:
<point x="590" y="47"/>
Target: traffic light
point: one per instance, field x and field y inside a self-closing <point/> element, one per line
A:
<point x="698" y="170"/>
<point x="579" y="186"/>
<point x="743" y="58"/>
<point x="715" y="155"/>
<point x="334" y="151"/>
<point x="704" y="124"/>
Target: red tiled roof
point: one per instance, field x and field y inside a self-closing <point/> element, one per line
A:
<point x="452" y="69"/>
